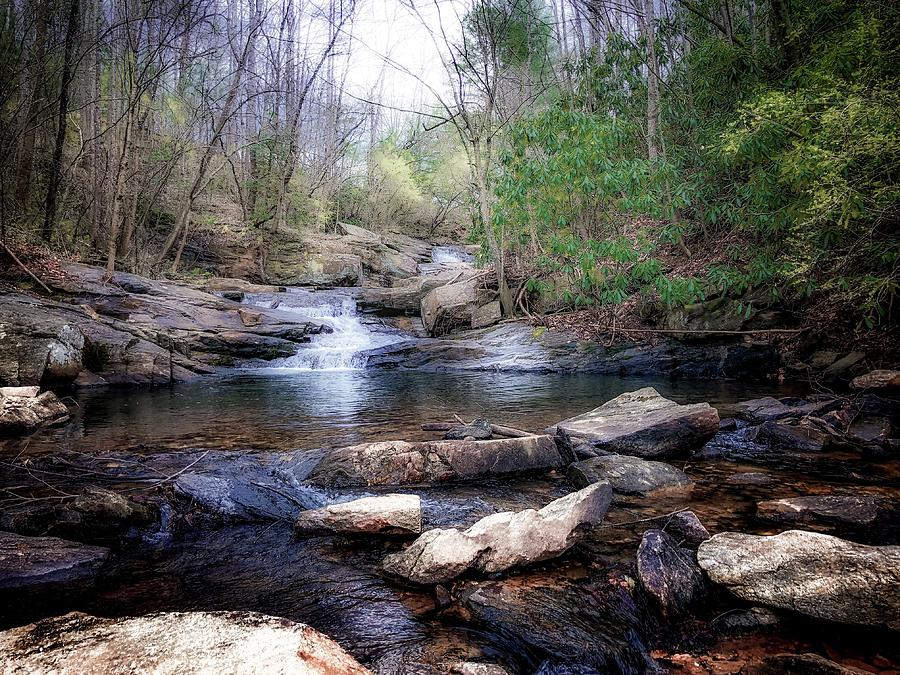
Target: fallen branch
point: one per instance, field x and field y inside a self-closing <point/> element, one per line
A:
<point x="22" y="265"/>
<point x="496" y="429"/>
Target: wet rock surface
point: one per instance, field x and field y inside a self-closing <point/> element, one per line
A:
<point x="870" y="518"/>
<point x="177" y="642"/>
<point x="560" y="627"/>
<point x="401" y="463"/>
<point x="811" y="573"/>
<point x="386" y="514"/>
<point x="627" y="475"/>
<point x="43" y="563"/>
<point x="503" y="540"/>
<point x="668" y="573"/>
<point x="478" y="430"/>
<point x="645" y="424"/>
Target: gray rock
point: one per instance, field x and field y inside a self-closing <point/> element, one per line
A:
<point x="244" y="643"/>
<point x="23" y="414"/>
<point x="811" y="573"/>
<point x="474" y="668"/>
<point x="877" y="379"/>
<point x="844" y="368"/>
<point x="627" y="475"/>
<point x="686" y="525"/>
<point x="766" y="409"/>
<point x="645" y="424"/>
<point x="385" y="514"/>
<point x="35" y="563"/>
<point x="751" y="478"/>
<point x="873" y="518"/>
<point x="668" y="574"/>
<point x="794" y="436"/>
<point x="479" y="430"/>
<point x="503" y="540"/>
<point x="402" y="463"/>
<point x="747" y="620"/>
<point x="800" y="664"/>
<point x="458" y="305"/>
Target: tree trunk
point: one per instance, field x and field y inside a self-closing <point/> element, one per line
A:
<point x="482" y="165"/>
<point x="56" y="165"/>
<point x="652" y="81"/>
<point x="36" y="74"/>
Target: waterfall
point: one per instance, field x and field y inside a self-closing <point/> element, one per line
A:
<point x="450" y="254"/>
<point x="341" y="349"/>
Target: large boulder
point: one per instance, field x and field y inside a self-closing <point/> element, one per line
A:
<point x="627" y="475"/>
<point x="645" y="424"/>
<point x="464" y="304"/>
<point x="39" y="563"/>
<point x="386" y="514"/>
<point x="668" y="573"/>
<point x="402" y="463"/>
<point x="802" y="435"/>
<point x="243" y="643"/>
<point x="811" y="573"/>
<point x="871" y="518"/>
<point x="759" y="410"/>
<point x="22" y="414"/>
<point x="502" y="540"/>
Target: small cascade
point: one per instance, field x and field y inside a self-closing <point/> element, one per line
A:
<point x="341" y="349"/>
<point x="451" y="254"/>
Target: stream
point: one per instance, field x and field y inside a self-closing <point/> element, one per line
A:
<point x="322" y="398"/>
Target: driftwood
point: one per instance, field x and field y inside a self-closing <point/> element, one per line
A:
<point x="496" y="429"/>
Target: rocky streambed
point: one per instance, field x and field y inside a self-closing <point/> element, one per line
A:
<point x="639" y="535"/>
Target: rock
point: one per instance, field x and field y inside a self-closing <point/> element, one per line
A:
<point x="38" y="563"/>
<point x="877" y="379"/>
<point x="844" y="367"/>
<point x="442" y="597"/>
<point x="800" y="664"/>
<point x="627" y="475"/>
<point x="645" y="424"/>
<point x="751" y="478"/>
<point x="559" y="626"/>
<point x="686" y="526"/>
<point x="473" y="668"/>
<point x="458" y="305"/>
<point x="402" y="463"/>
<point x="811" y="573"/>
<point x="871" y="518"/>
<point x="19" y="392"/>
<point x="799" y="436"/>
<point x="23" y="414"/>
<point x="870" y="431"/>
<point x="387" y="514"/>
<point x="668" y="573"/>
<point x="502" y="540"/>
<point x="173" y="642"/>
<point x="765" y="409"/>
<point x="747" y="620"/>
<point x="479" y="430"/>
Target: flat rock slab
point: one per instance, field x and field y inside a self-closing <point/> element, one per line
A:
<point x="170" y="643"/>
<point x="403" y="463"/>
<point x="645" y="424"/>
<point x="627" y="475"/>
<point x="877" y="379"/>
<point x="766" y="409"/>
<point x="502" y="540"/>
<point x="874" y="517"/>
<point x="36" y="562"/>
<point x="386" y="514"/>
<point x="811" y="573"/>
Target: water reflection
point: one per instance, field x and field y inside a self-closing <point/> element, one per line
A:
<point x="289" y="409"/>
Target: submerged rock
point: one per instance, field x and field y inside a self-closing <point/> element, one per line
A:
<point x="502" y="540"/>
<point x="402" y="463"/>
<point x="668" y="573"/>
<point x="871" y="517"/>
<point x="627" y="475"/>
<point x="747" y="620"/>
<point x="811" y="573"/>
<point x="557" y="626"/>
<point x="36" y="563"/>
<point x="22" y="414"/>
<point x="799" y="436"/>
<point x="173" y="642"/>
<point x="800" y="664"/>
<point x="386" y="514"/>
<point x="645" y="424"/>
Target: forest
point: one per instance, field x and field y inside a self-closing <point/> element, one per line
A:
<point x="473" y="337"/>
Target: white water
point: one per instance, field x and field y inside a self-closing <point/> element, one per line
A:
<point x="450" y="254"/>
<point x="343" y="348"/>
